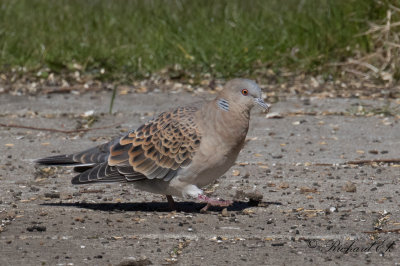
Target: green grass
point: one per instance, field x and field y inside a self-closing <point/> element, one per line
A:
<point x="224" y="37"/>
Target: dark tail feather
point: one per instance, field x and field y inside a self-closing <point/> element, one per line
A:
<point x="81" y="169"/>
<point x="76" y="180"/>
<point x="100" y="173"/>
<point x="58" y="160"/>
<point x="90" y="157"/>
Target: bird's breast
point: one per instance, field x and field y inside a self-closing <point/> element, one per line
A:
<point x="222" y="137"/>
<point x="212" y="160"/>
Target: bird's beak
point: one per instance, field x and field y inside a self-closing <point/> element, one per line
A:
<point x="261" y="103"/>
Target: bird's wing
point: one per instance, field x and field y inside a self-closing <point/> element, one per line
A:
<point x="157" y="149"/>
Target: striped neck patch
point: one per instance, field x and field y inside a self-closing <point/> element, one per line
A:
<point x="223" y="104"/>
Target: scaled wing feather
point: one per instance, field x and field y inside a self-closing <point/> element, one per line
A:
<point x="160" y="147"/>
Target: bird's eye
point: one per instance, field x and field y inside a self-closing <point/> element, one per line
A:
<point x="245" y="92"/>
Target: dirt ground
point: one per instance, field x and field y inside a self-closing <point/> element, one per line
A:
<point x="296" y="201"/>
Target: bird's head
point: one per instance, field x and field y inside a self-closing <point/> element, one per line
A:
<point x="243" y="93"/>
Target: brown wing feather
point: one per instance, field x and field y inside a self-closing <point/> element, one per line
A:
<point x="157" y="149"/>
<point x="160" y="147"/>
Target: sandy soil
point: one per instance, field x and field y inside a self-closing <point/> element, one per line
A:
<point x="315" y="209"/>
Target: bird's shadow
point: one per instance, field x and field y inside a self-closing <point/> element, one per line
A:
<point x="186" y="206"/>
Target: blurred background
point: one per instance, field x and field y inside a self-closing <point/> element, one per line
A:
<point x="182" y="39"/>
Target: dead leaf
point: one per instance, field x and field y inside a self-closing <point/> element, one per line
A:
<point x="284" y="185"/>
<point x="274" y="115"/>
<point x="308" y="190"/>
<point x="350" y="187"/>
<point x="235" y="172"/>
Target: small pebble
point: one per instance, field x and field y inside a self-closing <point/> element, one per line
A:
<point x="39" y="228"/>
<point x="52" y="195"/>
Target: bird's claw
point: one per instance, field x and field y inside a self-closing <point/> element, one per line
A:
<point x="213" y="202"/>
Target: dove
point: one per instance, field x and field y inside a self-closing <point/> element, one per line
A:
<point x="177" y="152"/>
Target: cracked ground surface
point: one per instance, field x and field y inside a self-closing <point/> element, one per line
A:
<point x="315" y="208"/>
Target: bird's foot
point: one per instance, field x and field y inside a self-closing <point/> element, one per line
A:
<point x="212" y="202"/>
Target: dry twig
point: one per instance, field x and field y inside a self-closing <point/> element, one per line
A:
<point x="383" y="231"/>
<point x="374" y="161"/>
<point x="58" y="130"/>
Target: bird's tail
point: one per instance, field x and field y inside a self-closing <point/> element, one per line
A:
<point x="90" y="157"/>
<point x="58" y="160"/>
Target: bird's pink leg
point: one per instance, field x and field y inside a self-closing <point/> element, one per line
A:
<point x="171" y="202"/>
<point x="212" y="202"/>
